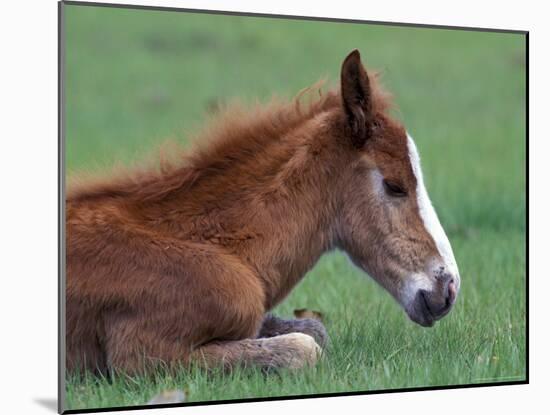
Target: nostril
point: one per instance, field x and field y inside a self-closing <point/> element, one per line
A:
<point x="451" y="291"/>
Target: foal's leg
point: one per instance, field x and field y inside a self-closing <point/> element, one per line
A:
<point x="275" y="326"/>
<point x="292" y="351"/>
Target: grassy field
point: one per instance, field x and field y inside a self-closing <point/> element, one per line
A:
<point x="137" y="78"/>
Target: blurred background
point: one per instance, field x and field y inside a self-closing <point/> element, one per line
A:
<point x="135" y="78"/>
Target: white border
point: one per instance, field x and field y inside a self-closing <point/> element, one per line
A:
<point x="29" y="202"/>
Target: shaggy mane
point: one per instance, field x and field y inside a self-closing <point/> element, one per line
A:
<point x="236" y="133"/>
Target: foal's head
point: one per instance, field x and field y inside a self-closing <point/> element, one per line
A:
<point x="387" y="223"/>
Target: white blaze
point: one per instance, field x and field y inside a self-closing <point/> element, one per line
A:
<point x="428" y="215"/>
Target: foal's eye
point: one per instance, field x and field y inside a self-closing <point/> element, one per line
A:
<point x="394" y="189"/>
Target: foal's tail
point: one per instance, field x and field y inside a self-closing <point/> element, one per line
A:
<point x="293" y="351"/>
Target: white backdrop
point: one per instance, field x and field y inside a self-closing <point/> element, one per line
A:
<point x="28" y="167"/>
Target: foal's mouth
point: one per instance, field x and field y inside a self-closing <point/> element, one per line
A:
<point x="423" y="311"/>
<point x="428" y="315"/>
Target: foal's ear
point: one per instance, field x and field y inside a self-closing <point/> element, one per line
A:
<point x="356" y="97"/>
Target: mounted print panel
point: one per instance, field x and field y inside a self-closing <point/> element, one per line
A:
<point x="259" y="207"/>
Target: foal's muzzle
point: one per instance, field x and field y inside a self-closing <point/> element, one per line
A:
<point x="430" y="306"/>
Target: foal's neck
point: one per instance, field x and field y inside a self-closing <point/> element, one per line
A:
<point x="298" y="215"/>
<point x="275" y="210"/>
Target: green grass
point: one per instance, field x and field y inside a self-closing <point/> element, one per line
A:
<point x="136" y="78"/>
